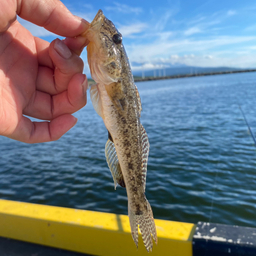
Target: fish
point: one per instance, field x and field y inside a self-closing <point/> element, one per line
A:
<point x="116" y="99"/>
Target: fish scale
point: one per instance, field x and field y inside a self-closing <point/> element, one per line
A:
<point x="116" y="99"/>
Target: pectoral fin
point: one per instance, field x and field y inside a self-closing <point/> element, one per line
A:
<point x="113" y="163"/>
<point x="96" y="100"/>
<point x="145" y="152"/>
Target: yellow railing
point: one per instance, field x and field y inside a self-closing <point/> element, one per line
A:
<point x="87" y="231"/>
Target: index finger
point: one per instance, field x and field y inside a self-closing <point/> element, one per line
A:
<point x="53" y="16"/>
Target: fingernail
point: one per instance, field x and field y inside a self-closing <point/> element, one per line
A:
<point x="62" y="49"/>
<point x="83" y="21"/>
<point x="84" y="85"/>
<point x="86" y="23"/>
<point x="75" y="119"/>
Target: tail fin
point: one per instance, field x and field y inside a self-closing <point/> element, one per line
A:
<point x="147" y="227"/>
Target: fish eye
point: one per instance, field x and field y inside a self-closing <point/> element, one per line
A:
<point x="117" y="38"/>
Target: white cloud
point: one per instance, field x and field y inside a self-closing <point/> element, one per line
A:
<point x="163" y="36"/>
<point x="208" y="56"/>
<point x="192" y="31"/>
<point x="245" y="61"/>
<point x="163" y="19"/>
<point x="206" y="52"/>
<point x="131" y="29"/>
<point x="88" y="6"/>
<point x="251" y="28"/>
<point x="174" y="57"/>
<point x="231" y="12"/>
<point x="123" y="8"/>
<point x="207" y="24"/>
<point x="197" y="20"/>
<point x="166" y="39"/>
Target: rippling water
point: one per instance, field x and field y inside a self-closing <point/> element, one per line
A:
<point x="202" y="162"/>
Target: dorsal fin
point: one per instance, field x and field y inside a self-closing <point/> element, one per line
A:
<point x="113" y="162"/>
<point x="145" y="152"/>
<point x="138" y="98"/>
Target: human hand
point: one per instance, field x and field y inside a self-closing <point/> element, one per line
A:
<point x="40" y="79"/>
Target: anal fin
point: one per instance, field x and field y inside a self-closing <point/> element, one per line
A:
<point x="113" y="162"/>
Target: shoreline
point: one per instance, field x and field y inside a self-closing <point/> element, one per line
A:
<point x="151" y="78"/>
<point x="192" y="75"/>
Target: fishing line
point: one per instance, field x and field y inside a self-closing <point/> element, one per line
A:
<point x="214" y="188"/>
<point x="212" y="203"/>
<point x="216" y="175"/>
<point x="248" y="126"/>
<point x="213" y="192"/>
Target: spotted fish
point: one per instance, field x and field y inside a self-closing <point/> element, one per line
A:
<point x="116" y="99"/>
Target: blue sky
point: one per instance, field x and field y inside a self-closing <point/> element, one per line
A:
<point x="159" y="34"/>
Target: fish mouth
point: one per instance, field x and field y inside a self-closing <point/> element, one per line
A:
<point x="94" y="25"/>
<point x="98" y="17"/>
<point x="102" y="58"/>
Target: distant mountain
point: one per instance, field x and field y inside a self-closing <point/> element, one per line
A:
<point x="181" y="71"/>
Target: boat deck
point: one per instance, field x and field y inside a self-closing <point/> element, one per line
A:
<point x="10" y="247"/>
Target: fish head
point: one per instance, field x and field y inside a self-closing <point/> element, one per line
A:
<point x="104" y="50"/>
